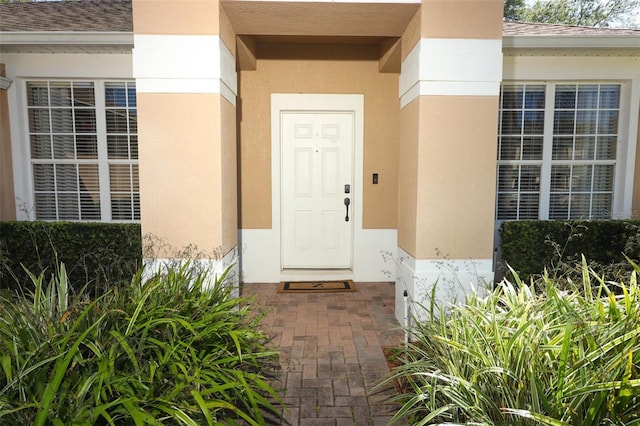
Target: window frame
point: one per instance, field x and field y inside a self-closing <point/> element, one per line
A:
<point x="621" y="162"/>
<point x="103" y="161"/>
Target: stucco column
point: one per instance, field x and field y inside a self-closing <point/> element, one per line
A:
<point x="7" y="194"/>
<point x="449" y="88"/>
<point x="186" y="93"/>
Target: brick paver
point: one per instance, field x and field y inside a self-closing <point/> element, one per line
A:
<point x="331" y="352"/>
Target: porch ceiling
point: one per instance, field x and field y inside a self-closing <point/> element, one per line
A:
<point x="338" y="19"/>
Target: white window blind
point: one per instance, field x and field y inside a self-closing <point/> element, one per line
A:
<point x="83" y="138"/>
<point x="557" y="148"/>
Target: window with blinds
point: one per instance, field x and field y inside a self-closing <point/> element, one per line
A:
<point x="557" y="148"/>
<point x="83" y="145"/>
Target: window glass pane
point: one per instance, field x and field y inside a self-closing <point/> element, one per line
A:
<point x="117" y="121"/>
<point x="581" y="178"/>
<point x="534" y="97"/>
<point x="530" y="178"/>
<point x="559" y="206"/>
<point x="60" y="94"/>
<point x="118" y="146"/>
<point x="135" y="183"/>
<point x="83" y="94"/>
<point x="512" y="96"/>
<point x="89" y="206"/>
<point x="562" y="148"/>
<point x="40" y="146"/>
<point x="131" y="95"/>
<point x="120" y="176"/>
<point x="603" y="178"/>
<point x="580" y="206"/>
<point x="87" y="146"/>
<point x="508" y="178"/>
<point x="509" y="148"/>
<point x="68" y="206"/>
<point x="560" y="178"/>
<point x="507" y="208"/>
<point x="46" y="206"/>
<point x="511" y="122"/>
<point x="89" y="186"/>
<point x="37" y="93"/>
<point x="564" y="123"/>
<point x="64" y="147"/>
<point x="133" y="120"/>
<point x="532" y="148"/>
<point x="61" y="120"/>
<point x="89" y="180"/>
<point x="533" y="122"/>
<point x="606" y="148"/>
<point x="588" y="96"/>
<point x="565" y="97"/>
<point x="43" y="177"/>
<point x="39" y="120"/>
<point x="584" y="148"/>
<point x="586" y="122"/>
<point x="133" y="140"/>
<point x="66" y="177"/>
<point x="601" y="206"/>
<point x="610" y="96"/>
<point x="608" y="122"/>
<point x="115" y="95"/>
<point x="85" y="120"/>
<point x="529" y="206"/>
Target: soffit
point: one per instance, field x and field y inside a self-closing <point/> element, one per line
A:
<point x="254" y="17"/>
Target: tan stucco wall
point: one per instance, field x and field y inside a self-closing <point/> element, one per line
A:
<point x="408" y="176"/>
<point x="319" y="69"/>
<point x="7" y="193"/>
<point x="456" y="175"/>
<point x="466" y="19"/>
<point x="411" y="35"/>
<point x="229" y="175"/>
<point x="176" y="17"/>
<point x="186" y="164"/>
<point x="446" y="188"/>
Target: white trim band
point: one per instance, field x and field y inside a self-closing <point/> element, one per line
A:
<point x="184" y="64"/>
<point x="213" y="268"/>
<point x="454" y="279"/>
<point x="451" y="67"/>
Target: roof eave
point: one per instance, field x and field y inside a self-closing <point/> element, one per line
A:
<point x="571" y="42"/>
<point x="94" y="38"/>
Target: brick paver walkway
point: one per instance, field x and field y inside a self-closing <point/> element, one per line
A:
<point x="331" y="352"/>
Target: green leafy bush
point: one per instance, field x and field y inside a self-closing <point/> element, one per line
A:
<point x="530" y="246"/>
<point x="167" y="350"/>
<point x="518" y="357"/>
<point x="97" y="255"/>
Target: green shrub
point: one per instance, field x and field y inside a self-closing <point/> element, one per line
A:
<point x="97" y="255"/>
<point x="530" y="246"/>
<point x="518" y="357"/>
<point x="166" y="350"/>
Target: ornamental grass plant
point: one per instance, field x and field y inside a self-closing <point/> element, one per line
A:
<point x="567" y="354"/>
<point x="162" y="351"/>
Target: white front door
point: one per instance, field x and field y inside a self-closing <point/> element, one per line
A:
<point x="316" y="179"/>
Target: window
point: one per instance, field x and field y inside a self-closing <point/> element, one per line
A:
<point x="84" y="150"/>
<point x="557" y="147"/>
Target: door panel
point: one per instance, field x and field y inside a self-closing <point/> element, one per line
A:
<point x="317" y="163"/>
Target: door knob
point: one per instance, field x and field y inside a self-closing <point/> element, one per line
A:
<point x="347" y="201"/>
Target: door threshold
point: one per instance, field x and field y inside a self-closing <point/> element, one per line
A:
<point x="315" y="274"/>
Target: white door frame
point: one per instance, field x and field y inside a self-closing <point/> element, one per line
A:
<point x="316" y="102"/>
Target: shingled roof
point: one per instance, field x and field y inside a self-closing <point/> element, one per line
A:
<point x="116" y="16"/>
<point x="531" y="29"/>
<point x="70" y="15"/>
